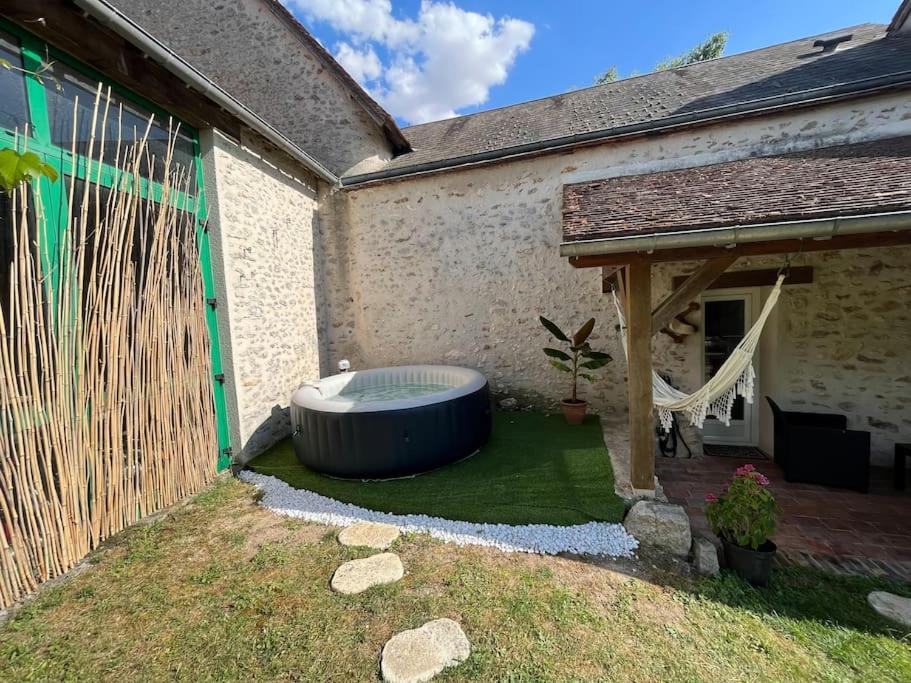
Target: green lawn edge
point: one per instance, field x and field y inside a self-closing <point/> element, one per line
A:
<point x="536" y="469"/>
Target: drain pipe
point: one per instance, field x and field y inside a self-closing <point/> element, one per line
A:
<point x="820" y="229"/>
<point x="126" y="28"/>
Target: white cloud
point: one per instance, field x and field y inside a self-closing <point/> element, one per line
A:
<point x="362" y="64"/>
<point x="443" y="60"/>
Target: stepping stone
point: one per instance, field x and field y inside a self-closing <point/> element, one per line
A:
<point x="357" y="576"/>
<point x="420" y="654"/>
<point x="661" y="525"/>
<point x="892" y="607"/>
<point x="369" y="535"/>
<point x="705" y="556"/>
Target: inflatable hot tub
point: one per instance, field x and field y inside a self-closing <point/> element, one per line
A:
<point x="390" y="422"/>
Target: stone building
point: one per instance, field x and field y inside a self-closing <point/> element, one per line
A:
<point x="336" y="234"/>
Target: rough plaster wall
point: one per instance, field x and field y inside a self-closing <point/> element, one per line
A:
<point x="459" y="275"/>
<point x="251" y="53"/>
<point x="263" y="227"/>
<point x="456" y="267"/>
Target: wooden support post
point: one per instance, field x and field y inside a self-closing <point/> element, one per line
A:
<point x="641" y="410"/>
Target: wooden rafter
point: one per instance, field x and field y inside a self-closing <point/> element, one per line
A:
<point x="695" y="284"/>
<point x="763" y="277"/>
<point x="608" y="275"/>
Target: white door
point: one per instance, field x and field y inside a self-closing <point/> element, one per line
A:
<point x="726" y="316"/>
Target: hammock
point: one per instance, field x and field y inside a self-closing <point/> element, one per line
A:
<point x="734" y="378"/>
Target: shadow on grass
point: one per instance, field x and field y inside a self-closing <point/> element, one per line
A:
<point x="808" y="598"/>
<point x="804" y="594"/>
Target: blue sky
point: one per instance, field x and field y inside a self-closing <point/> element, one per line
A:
<point x="425" y="63"/>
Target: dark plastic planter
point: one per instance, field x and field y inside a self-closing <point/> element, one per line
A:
<point x="754" y="566"/>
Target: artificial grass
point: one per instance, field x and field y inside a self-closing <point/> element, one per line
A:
<point x="223" y="590"/>
<point x="536" y="469"/>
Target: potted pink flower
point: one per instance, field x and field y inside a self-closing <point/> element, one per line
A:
<point x="743" y="517"/>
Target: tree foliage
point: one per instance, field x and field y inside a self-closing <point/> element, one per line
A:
<point x="608" y="76"/>
<point x="710" y="48"/>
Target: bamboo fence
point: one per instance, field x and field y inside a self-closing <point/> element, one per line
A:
<point x="106" y="406"/>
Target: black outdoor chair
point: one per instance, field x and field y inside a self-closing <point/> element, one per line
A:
<point x="818" y="448"/>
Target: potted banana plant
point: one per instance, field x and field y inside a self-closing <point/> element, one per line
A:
<point x="577" y="361"/>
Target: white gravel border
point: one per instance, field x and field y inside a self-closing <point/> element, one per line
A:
<point x="593" y="538"/>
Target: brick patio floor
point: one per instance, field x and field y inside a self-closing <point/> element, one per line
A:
<point x="834" y="529"/>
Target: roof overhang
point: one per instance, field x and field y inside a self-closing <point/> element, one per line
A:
<point x="118" y="23"/>
<point x="378" y="114"/>
<point x="834" y="194"/>
<point x="900" y="21"/>
<point x="819" y="231"/>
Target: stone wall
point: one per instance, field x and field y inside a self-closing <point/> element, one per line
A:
<point x="838" y="345"/>
<point x="262" y="220"/>
<point x="456" y="267"/>
<point x="292" y="88"/>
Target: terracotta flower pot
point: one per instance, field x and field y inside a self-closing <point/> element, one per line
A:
<point x="753" y="565"/>
<point x="574" y="411"/>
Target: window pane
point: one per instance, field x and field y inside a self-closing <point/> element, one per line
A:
<point x="125" y="120"/>
<point x="13" y="110"/>
<point x="724" y="328"/>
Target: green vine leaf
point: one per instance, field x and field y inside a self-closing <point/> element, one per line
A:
<point x="18" y="167"/>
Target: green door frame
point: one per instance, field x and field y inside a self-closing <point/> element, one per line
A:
<point x="35" y="53"/>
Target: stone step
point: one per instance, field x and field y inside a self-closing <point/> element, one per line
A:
<point x="418" y="655"/>
<point x="357" y="576"/>
<point x="891" y="606"/>
<point x="369" y="535"/>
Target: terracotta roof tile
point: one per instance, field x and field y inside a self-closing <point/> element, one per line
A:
<point x="847" y="180"/>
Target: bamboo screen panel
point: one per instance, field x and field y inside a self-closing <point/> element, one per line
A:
<point x="106" y="405"/>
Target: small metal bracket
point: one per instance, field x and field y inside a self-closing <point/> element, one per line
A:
<point x="228" y="451"/>
<point x="212" y="301"/>
<point x="220" y="377"/>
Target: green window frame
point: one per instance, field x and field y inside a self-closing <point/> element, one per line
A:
<point x="35" y="53"/>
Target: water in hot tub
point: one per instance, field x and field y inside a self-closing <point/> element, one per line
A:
<point x="391" y="392"/>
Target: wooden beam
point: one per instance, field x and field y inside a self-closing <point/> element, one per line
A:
<point x="68" y="28"/>
<point x="876" y="239"/>
<point x="695" y="284"/>
<point x="762" y="277"/>
<point x="607" y="277"/>
<point x="641" y="410"/>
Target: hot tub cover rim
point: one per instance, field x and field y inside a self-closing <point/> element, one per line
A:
<point x="311" y="395"/>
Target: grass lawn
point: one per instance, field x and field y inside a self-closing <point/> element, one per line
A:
<point x="535" y="469"/>
<point x="223" y="590"/>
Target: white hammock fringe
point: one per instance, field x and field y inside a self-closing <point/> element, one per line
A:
<point x="736" y="376"/>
